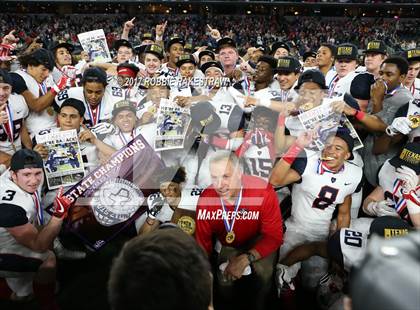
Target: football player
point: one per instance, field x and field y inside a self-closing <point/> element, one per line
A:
<point x="412" y="82"/>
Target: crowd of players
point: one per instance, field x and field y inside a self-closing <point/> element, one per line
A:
<point x="245" y="141"/>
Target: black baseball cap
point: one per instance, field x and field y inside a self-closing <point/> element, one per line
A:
<point x="278" y="45"/>
<point x="122" y="42"/>
<point x="43" y="57"/>
<point x="308" y="54"/>
<point x="25" y="158"/>
<point x="58" y="44"/>
<point x="121" y="106"/>
<point x="94" y="74"/>
<point x="211" y="64"/>
<point x="5" y="77"/>
<point x="409" y="156"/>
<point x="347" y="51"/>
<point x="207" y="52"/>
<point x="412" y="55"/>
<point x="312" y="75"/>
<point x="186" y="58"/>
<point x="188" y="47"/>
<point x="376" y="46"/>
<point x="389" y="226"/>
<point x="288" y="64"/>
<point x="155" y="49"/>
<point x="204" y="118"/>
<point x="270" y="60"/>
<point x="344" y="134"/>
<point x="360" y="86"/>
<point x="173" y="40"/>
<point x="147" y="36"/>
<point x="262" y="48"/>
<point x="75" y="103"/>
<point x="225" y="42"/>
<point x="139" y="49"/>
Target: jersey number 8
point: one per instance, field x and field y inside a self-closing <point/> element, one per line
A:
<point x="326" y="197"/>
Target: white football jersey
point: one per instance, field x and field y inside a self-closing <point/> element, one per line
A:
<point x="37" y="121"/>
<point x="104" y="109"/>
<point x="353" y="247"/>
<point x="224" y="104"/>
<point x="415" y="89"/>
<point x="392" y="192"/>
<point x="330" y="76"/>
<point x="340" y="86"/>
<point x="132" y="94"/>
<point x="189" y="198"/>
<point x="258" y="161"/>
<point x="316" y="197"/>
<point x="19" y="111"/>
<point x="22" y="204"/>
<point x="118" y="140"/>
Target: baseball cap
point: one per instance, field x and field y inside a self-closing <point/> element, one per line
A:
<point x="360" y="86"/>
<point x="344" y="134"/>
<point x="122" y="42"/>
<point x="75" y="103"/>
<point x="312" y="75"/>
<point x="347" y="51"/>
<point x="188" y="47"/>
<point x="376" y="46"/>
<point x="121" y="106"/>
<point x="5" y="77"/>
<point x="186" y="58"/>
<point x="389" y="226"/>
<point x="94" y="74"/>
<point x="56" y="45"/>
<point x="147" y="36"/>
<point x="25" y="158"/>
<point x="139" y="49"/>
<point x="44" y="57"/>
<point x="225" y="42"/>
<point x="155" y="49"/>
<point x="173" y="40"/>
<point x="308" y="54"/>
<point x="288" y="64"/>
<point x="262" y="48"/>
<point x="211" y="64"/>
<point x="204" y="118"/>
<point x="278" y="45"/>
<point x="411" y="55"/>
<point x="270" y="60"/>
<point x="127" y="68"/>
<point x="207" y="52"/>
<point x="409" y="156"/>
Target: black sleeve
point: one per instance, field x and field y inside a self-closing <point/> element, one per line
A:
<point x="300" y="163"/>
<point x="19" y="85"/>
<point x="351" y="101"/>
<point x="12" y="215"/>
<point x="402" y="111"/>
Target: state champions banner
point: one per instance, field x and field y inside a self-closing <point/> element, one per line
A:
<point x="113" y="195"/>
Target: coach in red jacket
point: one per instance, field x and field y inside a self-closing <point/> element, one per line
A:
<point x="242" y="214"/>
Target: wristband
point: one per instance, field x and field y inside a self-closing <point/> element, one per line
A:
<point x="219" y="142"/>
<point x="281" y="121"/>
<point x="292" y="153"/>
<point x="359" y="115"/>
<point x="55" y="90"/>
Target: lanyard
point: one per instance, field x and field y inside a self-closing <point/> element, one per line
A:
<point x="8" y="127"/>
<point x="332" y="85"/>
<point x="229" y="226"/>
<point x="39" y="214"/>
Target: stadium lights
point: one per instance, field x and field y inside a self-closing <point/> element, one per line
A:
<point x="296" y="13"/>
<point x="184" y="11"/>
<point x="248" y="12"/>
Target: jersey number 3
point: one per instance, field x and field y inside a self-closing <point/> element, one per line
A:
<point x="326" y="197"/>
<point x="9" y="195"/>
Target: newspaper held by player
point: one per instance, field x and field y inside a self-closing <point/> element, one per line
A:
<point x="94" y="43"/>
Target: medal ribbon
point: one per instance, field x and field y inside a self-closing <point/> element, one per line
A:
<point x="8" y="127"/>
<point x="322" y="167"/>
<point x="95" y="114"/>
<point x="401" y="203"/>
<point x="123" y="139"/>
<point x="229" y="226"/>
<point x="332" y="85"/>
<point x="284" y="95"/>
<point x="42" y="88"/>
<point x="39" y="214"/>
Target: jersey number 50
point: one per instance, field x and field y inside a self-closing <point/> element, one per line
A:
<point x="326" y="197"/>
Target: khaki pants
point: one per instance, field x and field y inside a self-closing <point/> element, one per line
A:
<point x="258" y="284"/>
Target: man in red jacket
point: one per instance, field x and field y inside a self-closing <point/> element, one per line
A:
<point x="242" y="214"/>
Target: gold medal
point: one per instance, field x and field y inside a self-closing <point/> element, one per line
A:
<point x="14" y="147"/>
<point x="230" y="237"/>
<point x="187" y="224"/>
<point x="415" y="121"/>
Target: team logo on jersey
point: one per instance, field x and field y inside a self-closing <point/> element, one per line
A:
<point x="333" y="180"/>
<point x="116" y="201"/>
<point x="187" y="224"/>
